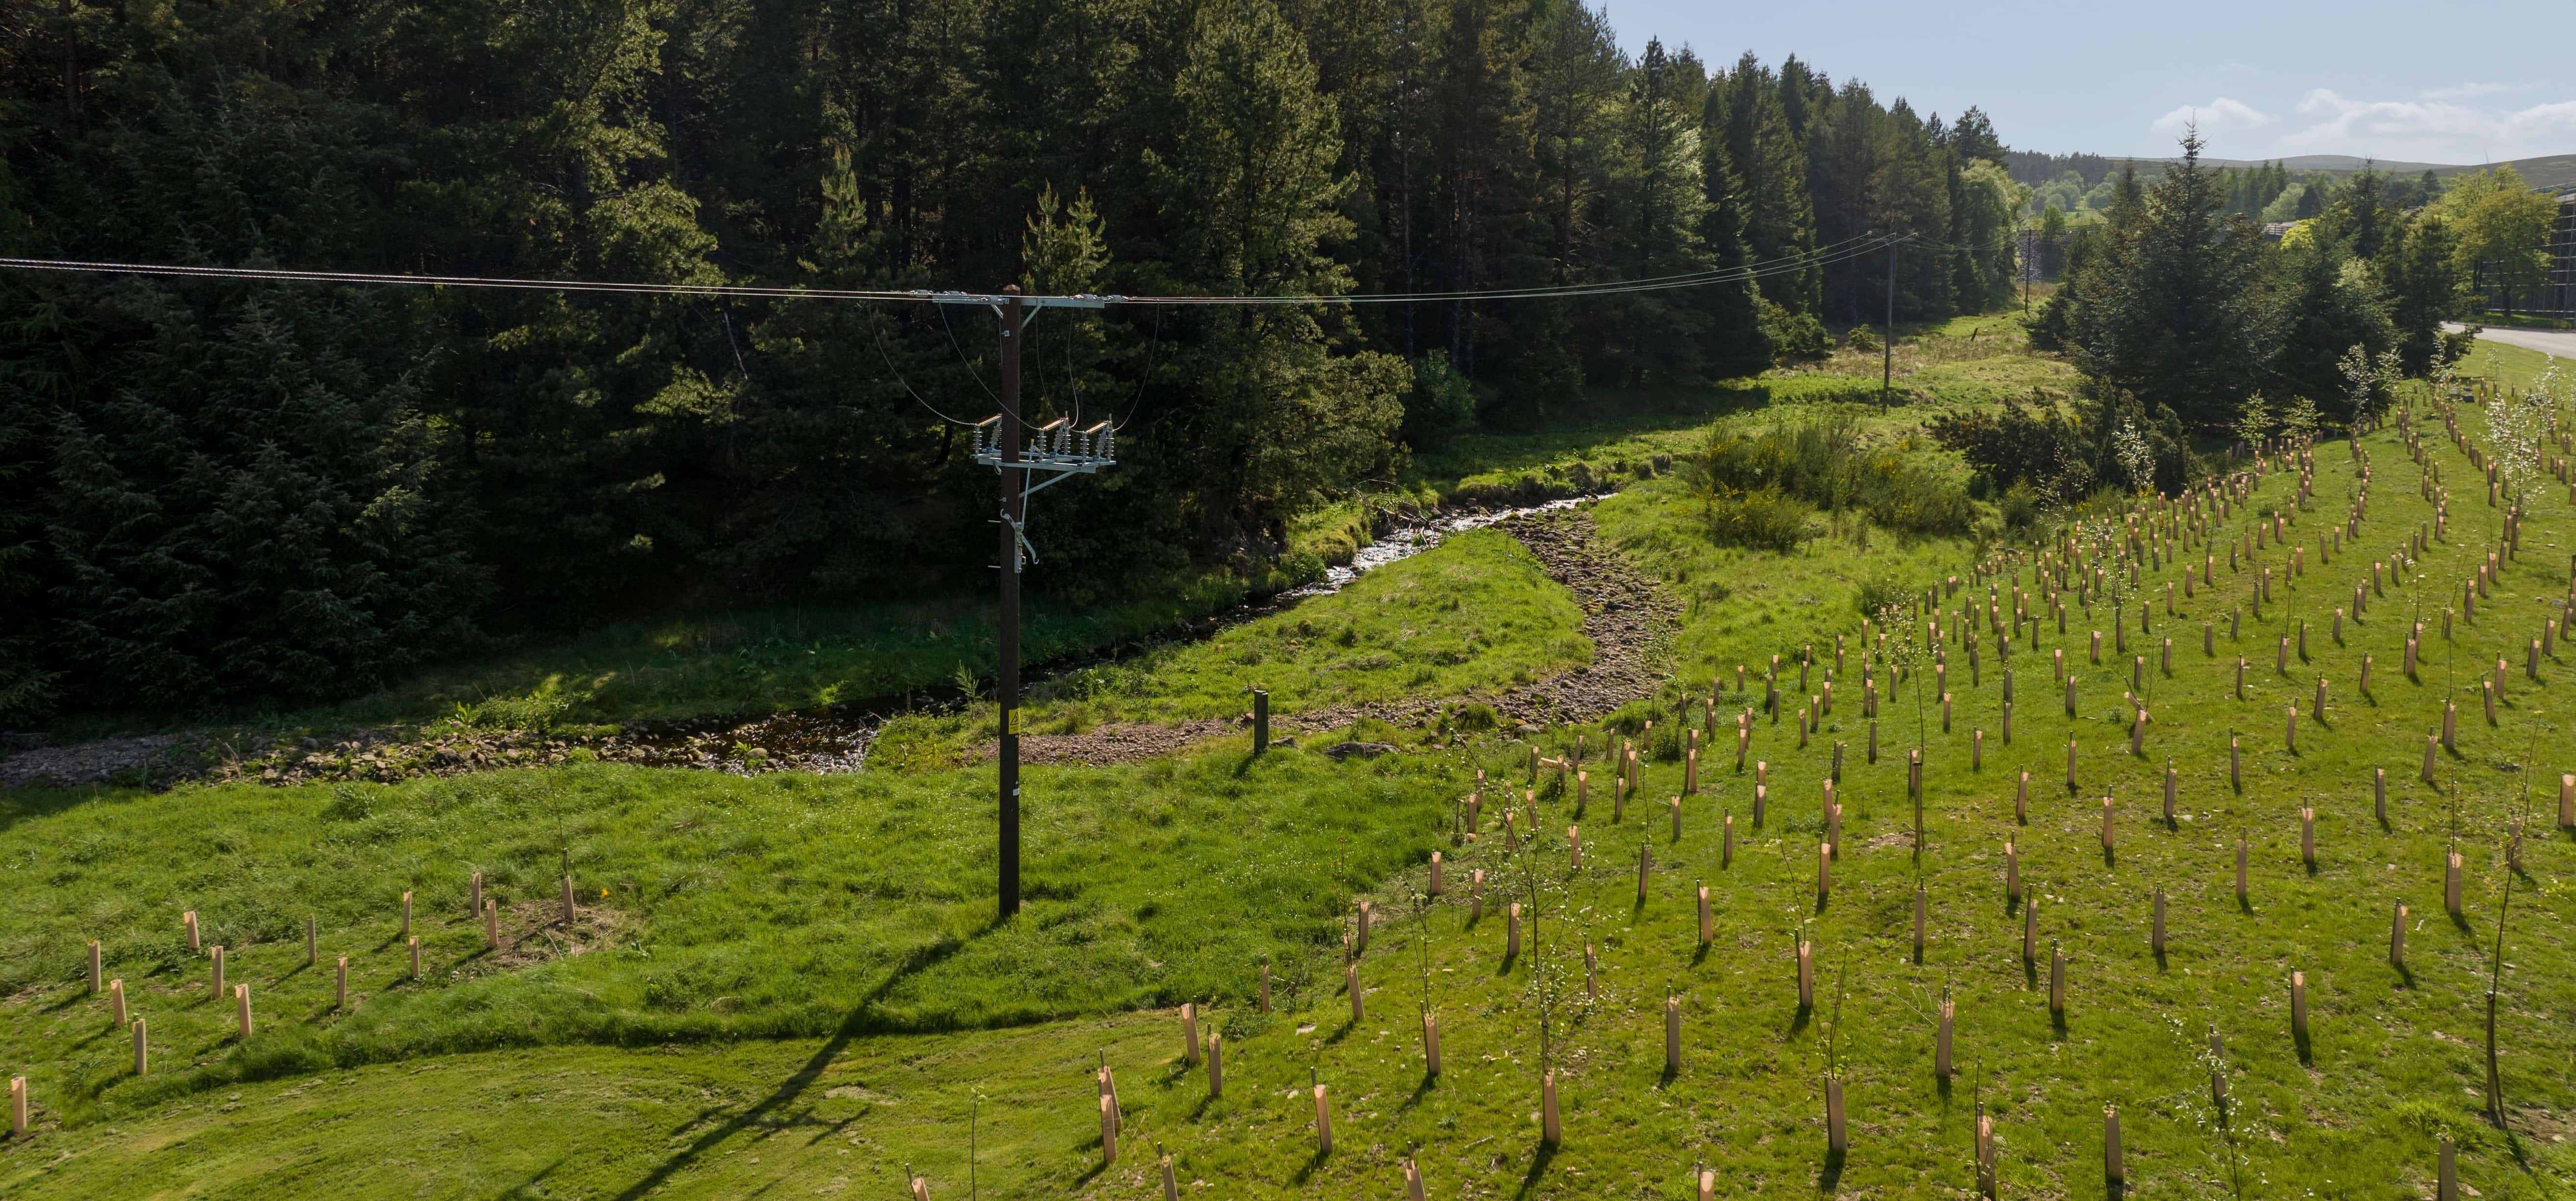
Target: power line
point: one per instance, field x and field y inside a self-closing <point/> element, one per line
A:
<point x="897" y="372"/>
<point x="1822" y="256"/>
<point x="962" y="360"/>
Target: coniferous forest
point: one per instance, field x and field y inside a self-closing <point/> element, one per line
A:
<point x="213" y="491"/>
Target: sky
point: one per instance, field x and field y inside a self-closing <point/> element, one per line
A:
<point x="2461" y="82"/>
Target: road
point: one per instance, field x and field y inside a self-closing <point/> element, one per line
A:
<point x="2560" y="342"/>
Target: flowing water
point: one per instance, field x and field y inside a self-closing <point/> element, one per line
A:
<point x="837" y="739"/>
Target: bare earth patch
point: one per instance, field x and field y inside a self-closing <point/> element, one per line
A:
<point x="94" y="762"/>
<point x="1624" y="611"/>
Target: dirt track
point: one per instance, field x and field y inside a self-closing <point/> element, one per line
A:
<point x="1623" y="612"/>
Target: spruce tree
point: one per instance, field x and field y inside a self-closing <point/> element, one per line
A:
<point x="2168" y="308"/>
<point x="1276" y="417"/>
<point x="1771" y="174"/>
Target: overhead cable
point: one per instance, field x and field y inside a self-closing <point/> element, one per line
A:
<point x="1822" y="256"/>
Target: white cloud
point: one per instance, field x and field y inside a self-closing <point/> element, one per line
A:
<point x="2225" y="114"/>
<point x="2471" y="91"/>
<point x="2434" y="130"/>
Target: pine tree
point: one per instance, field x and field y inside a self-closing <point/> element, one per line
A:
<point x="1771" y="175"/>
<point x="2168" y="310"/>
<point x="1736" y="344"/>
<point x="1654" y="210"/>
<point x="1277" y="417"/>
<point x="2417" y="268"/>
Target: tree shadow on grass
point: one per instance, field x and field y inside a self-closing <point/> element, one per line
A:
<point x="1831" y="1175"/>
<point x="73" y="997"/>
<point x="533" y="1186"/>
<point x="1545" y="1155"/>
<point x="1306" y="1171"/>
<point x="856" y="1023"/>
<point x="1421" y="1089"/>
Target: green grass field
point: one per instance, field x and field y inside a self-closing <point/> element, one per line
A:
<point x="2511" y="366"/>
<point x="742" y="1020"/>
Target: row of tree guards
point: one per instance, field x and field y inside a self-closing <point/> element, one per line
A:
<point x="137" y="1027"/>
<point x="2153" y="537"/>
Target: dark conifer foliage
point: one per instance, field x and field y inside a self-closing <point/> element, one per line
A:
<point x="213" y="492"/>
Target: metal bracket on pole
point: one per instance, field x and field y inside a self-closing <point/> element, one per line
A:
<point x="1055" y="449"/>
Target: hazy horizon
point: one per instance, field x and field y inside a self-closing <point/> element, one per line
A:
<point x="2369" y="79"/>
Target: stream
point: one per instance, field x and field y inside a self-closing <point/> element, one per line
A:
<point x="823" y="741"/>
<point x="837" y="739"/>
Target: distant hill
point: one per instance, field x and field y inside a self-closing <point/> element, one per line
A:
<point x="2544" y="171"/>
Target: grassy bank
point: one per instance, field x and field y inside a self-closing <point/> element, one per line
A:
<point x="2509" y="366"/>
<point x="709" y="906"/>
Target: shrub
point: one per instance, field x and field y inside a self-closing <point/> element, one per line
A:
<point x="1824" y="465"/>
<point x="1441" y="403"/>
<point x="2019" y="507"/>
<point x="1859" y="337"/>
<point x="1765" y="518"/>
<point x="1795" y="337"/>
<point x="2021" y="443"/>
<point x="1880" y="591"/>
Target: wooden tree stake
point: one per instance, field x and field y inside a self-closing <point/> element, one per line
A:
<point x="1216" y="1061"/>
<point x="2056" y="980"/>
<point x="1806" y="974"/>
<point x="1836" y="1141"/>
<point x="1672" y="1034"/>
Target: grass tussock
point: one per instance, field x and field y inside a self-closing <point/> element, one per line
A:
<point x="1749" y="476"/>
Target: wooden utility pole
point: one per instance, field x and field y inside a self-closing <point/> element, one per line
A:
<point x="1017" y="452"/>
<point x="1887" y="346"/>
<point x="1006" y="684"/>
